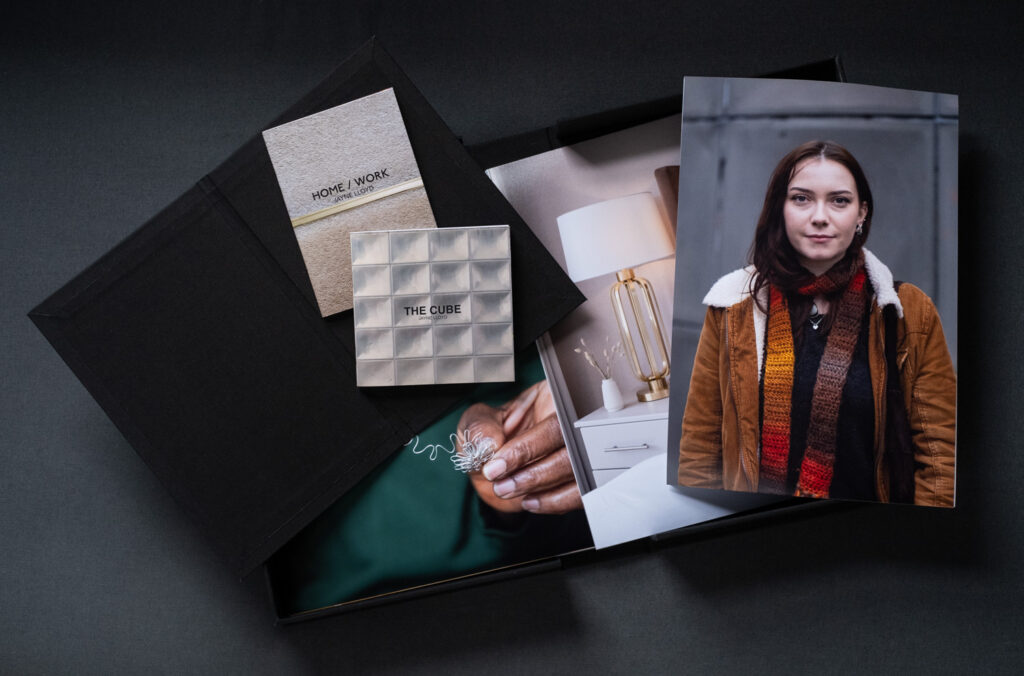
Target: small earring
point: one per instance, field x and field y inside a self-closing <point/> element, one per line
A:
<point x="860" y="228"/>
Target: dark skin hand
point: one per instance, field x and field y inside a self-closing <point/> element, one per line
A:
<point x="530" y="471"/>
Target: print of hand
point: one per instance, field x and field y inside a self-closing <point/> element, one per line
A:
<point x="530" y="470"/>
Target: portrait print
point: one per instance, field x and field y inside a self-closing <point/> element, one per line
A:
<point x="814" y="323"/>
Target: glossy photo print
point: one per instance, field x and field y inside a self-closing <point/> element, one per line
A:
<point x="814" y="322"/>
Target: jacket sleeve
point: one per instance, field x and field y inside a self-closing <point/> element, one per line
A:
<point x="929" y="378"/>
<point x="700" y="447"/>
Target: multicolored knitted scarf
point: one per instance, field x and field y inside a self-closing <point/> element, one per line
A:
<point x="820" y="454"/>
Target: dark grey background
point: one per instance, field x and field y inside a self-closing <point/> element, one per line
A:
<point x="107" y="113"/>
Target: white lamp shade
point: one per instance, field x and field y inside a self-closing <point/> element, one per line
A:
<point x="613" y="235"/>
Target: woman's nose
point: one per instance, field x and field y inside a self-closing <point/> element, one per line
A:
<point x="820" y="215"/>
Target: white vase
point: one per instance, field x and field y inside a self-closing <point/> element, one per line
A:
<point x="611" y="395"/>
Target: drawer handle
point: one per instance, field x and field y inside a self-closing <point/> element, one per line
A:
<point x="638" y="447"/>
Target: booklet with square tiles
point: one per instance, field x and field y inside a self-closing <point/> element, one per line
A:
<point x="432" y="306"/>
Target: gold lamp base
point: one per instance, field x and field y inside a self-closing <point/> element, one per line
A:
<point x="658" y="389"/>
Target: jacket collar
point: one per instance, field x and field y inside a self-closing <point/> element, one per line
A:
<point x="734" y="288"/>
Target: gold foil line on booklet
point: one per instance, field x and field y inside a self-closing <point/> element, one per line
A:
<point x="358" y="201"/>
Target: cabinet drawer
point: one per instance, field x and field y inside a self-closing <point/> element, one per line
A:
<point x="603" y="476"/>
<point x="620" y="446"/>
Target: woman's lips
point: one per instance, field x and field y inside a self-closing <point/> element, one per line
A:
<point x="819" y="238"/>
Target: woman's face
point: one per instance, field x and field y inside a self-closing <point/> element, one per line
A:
<point x="822" y="212"/>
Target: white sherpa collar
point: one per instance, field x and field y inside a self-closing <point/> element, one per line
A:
<point x="730" y="289"/>
<point x="735" y="287"/>
<point x="882" y="282"/>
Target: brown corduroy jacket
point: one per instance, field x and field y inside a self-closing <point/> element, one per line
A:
<point x="720" y="444"/>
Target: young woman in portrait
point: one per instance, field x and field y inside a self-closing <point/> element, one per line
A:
<point x="816" y="374"/>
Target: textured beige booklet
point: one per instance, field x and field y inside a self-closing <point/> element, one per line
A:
<point x="346" y="169"/>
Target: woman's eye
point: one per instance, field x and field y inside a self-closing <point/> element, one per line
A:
<point x="798" y="199"/>
<point x="842" y="201"/>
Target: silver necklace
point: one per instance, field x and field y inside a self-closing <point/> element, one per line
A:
<point x="816" y="317"/>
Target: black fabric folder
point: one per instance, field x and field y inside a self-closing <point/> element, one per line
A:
<point x="200" y="337"/>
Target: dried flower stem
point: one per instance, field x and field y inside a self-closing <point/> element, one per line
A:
<point x="610" y="354"/>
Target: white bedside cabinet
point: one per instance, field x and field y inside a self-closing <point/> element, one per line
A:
<point x="617" y="441"/>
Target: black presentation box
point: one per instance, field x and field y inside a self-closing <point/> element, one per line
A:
<point x="200" y="337"/>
